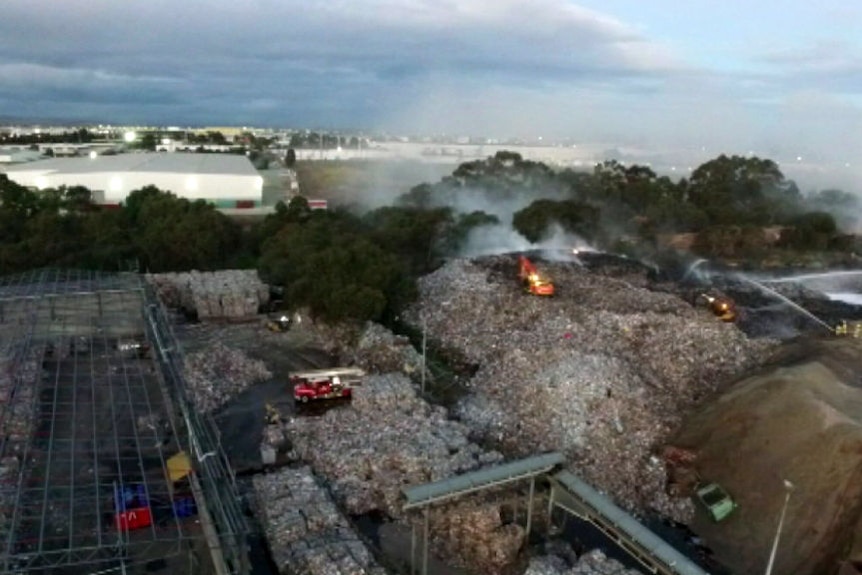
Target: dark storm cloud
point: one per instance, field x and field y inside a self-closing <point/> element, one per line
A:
<point x="483" y="67"/>
<point x="311" y="57"/>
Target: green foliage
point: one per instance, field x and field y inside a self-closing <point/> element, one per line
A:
<point x="17" y="205"/>
<point x="812" y="231"/>
<point x="458" y="233"/>
<point x="173" y="233"/>
<point x="418" y="197"/>
<point x="504" y="177"/>
<point x="327" y="264"/>
<point x="535" y="221"/>
<point x="343" y="266"/>
<point x="148" y="142"/>
<point x="414" y="235"/>
<point x="729" y="241"/>
<point x="743" y="191"/>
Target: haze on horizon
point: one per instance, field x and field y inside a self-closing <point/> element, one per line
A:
<point x="780" y="80"/>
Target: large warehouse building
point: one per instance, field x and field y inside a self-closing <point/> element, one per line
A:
<point x="226" y="180"/>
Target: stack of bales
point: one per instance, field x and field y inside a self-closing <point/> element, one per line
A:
<point x="306" y="532"/>
<point x="220" y="294"/>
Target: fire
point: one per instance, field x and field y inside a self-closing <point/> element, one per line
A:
<point x="535" y="283"/>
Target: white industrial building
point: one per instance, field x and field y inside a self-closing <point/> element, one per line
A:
<point x="18" y="154"/>
<point x="226" y="180"/>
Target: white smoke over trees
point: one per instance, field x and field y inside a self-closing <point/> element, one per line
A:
<point x="486" y="197"/>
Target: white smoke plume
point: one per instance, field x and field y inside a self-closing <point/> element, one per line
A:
<point x="502" y="239"/>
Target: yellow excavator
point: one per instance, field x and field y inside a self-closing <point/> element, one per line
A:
<point x="723" y="308"/>
<point x="273" y="415"/>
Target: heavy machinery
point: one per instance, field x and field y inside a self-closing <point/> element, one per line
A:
<point x="853" y="329"/>
<point x="273" y="415"/>
<point x="278" y="324"/>
<point x="722" y="307"/>
<point x="332" y="383"/>
<point x="532" y="281"/>
<point x="718" y="503"/>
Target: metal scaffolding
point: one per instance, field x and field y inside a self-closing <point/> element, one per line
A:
<point x="428" y="494"/>
<point x="576" y="497"/>
<point x="87" y="415"/>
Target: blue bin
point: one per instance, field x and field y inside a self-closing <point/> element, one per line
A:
<point x="185" y="507"/>
<point x="133" y="497"/>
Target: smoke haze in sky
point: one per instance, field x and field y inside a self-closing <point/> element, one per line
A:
<point x="777" y="79"/>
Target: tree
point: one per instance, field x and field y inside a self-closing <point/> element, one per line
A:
<point x="810" y="231"/>
<point x="731" y="241"/>
<point x="173" y="233"/>
<point x="420" y="196"/>
<point x="738" y="190"/>
<point x="78" y="199"/>
<point x="457" y="235"/>
<point x="415" y="235"/>
<point x="328" y="265"/>
<point x="148" y="141"/>
<point x="290" y="158"/>
<point x="17" y="205"/>
<point x="534" y="222"/>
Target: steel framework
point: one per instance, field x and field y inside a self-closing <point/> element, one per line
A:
<point x="89" y="406"/>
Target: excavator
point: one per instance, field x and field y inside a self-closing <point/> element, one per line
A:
<point x="278" y="323"/>
<point x="533" y="282"/>
<point x="273" y="415"/>
<point x="723" y="308"/>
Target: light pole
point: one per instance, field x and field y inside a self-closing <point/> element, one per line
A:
<point x="424" y="337"/>
<point x="788" y="488"/>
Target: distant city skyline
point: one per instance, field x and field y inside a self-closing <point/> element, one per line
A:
<point x="779" y="79"/>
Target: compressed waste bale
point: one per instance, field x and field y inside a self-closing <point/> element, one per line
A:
<point x="305" y="531"/>
<point x="603" y="372"/>
<point x="591" y="563"/>
<point x="218" y="372"/>
<point x="386" y="438"/>
<point x="219" y="294"/>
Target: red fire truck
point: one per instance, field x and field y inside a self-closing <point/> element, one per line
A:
<point x="332" y="383"/>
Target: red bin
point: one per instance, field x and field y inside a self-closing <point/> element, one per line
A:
<point x="132" y="519"/>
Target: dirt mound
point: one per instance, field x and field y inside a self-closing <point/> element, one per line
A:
<point x="799" y="419"/>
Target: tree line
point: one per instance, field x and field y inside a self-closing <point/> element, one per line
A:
<point x="341" y="264"/>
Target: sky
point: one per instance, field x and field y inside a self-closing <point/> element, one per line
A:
<point x="777" y="79"/>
